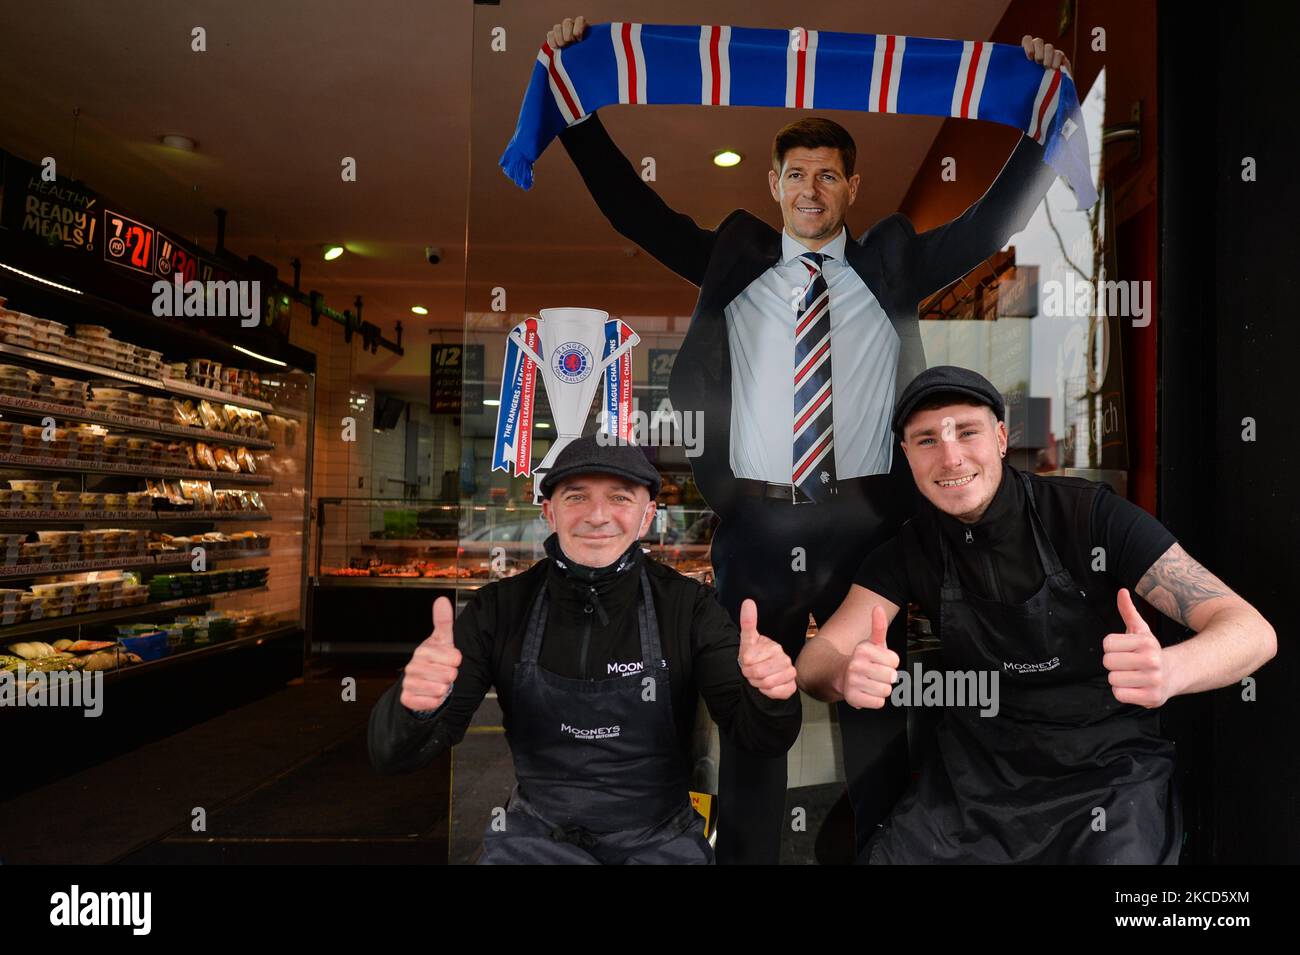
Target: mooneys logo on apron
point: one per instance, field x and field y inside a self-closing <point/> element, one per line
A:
<point x="623" y="669"/>
<point x="594" y="732"/>
<point x="1043" y="667"/>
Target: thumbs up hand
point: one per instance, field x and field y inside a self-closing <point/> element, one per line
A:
<point x="871" y="671"/>
<point x="763" y="662"/>
<point x="1139" y="672"/>
<point x="427" y="678"/>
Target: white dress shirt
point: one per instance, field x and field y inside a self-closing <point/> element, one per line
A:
<point x="864" y="361"/>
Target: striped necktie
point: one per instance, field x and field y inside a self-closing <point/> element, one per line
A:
<point x="814" y="442"/>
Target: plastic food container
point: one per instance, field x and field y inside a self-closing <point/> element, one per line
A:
<point x="59" y="537"/>
<point x="102" y="393"/>
<point x="48" y="591"/>
<point x="35" y="551"/>
<point x="25" y="485"/>
<point x="149" y="646"/>
<point x="90" y="444"/>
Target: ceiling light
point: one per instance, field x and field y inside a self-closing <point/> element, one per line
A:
<point x="183" y="143"/>
<point x="492" y="402"/>
<point x="419" y="310"/>
<point x="332" y="252"/>
<point x="726" y="158"/>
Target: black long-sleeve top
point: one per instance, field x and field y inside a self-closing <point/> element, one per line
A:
<point x="700" y="644"/>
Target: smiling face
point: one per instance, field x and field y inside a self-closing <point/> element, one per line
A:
<point x="598" y="516"/>
<point x="814" y="193"/>
<point x="955" y="453"/>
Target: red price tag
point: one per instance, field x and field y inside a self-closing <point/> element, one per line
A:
<point x="128" y="243"/>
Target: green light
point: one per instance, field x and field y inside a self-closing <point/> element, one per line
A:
<point x="419" y="310"/>
<point x="726" y="158"/>
<point x="332" y="252"/>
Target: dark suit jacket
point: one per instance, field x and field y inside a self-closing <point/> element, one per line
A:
<point x="899" y="266"/>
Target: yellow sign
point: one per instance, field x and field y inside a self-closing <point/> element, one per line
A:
<point x="703" y="804"/>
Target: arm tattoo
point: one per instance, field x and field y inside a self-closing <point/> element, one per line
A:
<point x="1176" y="585"/>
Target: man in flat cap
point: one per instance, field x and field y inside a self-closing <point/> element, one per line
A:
<point x="1026" y="579"/>
<point x="598" y="654"/>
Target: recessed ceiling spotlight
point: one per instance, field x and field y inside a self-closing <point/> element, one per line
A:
<point x="175" y="141"/>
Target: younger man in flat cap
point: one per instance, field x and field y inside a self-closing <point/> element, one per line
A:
<point x="1026" y="579"/>
<point x="598" y="654"/>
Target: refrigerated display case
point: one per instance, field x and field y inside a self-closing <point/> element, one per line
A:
<point x="152" y="501"/>
<point x="397" y="556"/>
<point x="378" y="566"/>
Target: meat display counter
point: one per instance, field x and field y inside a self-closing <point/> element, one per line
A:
<point x="381" y="562"/>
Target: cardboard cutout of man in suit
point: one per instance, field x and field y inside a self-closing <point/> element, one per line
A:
<point x="793" y="530"/>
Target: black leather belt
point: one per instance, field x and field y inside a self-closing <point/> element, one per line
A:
<point x="782" y="492"/>
<point x="791" y="494"/>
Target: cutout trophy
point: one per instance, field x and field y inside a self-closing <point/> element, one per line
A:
<point x="572" y="348"/>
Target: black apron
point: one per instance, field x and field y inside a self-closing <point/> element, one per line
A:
<point x="600" y="772"/>
<point x="1024" y="786"/>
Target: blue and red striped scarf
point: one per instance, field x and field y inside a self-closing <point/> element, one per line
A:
<point x="800" y="69"/>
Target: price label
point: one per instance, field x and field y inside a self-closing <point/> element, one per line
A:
<point x="172" y="259"/>
<point x="128" y="243"/>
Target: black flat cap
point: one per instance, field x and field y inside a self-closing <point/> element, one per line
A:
<point x="587" y="455"/>
<point x="962" y="383"/>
